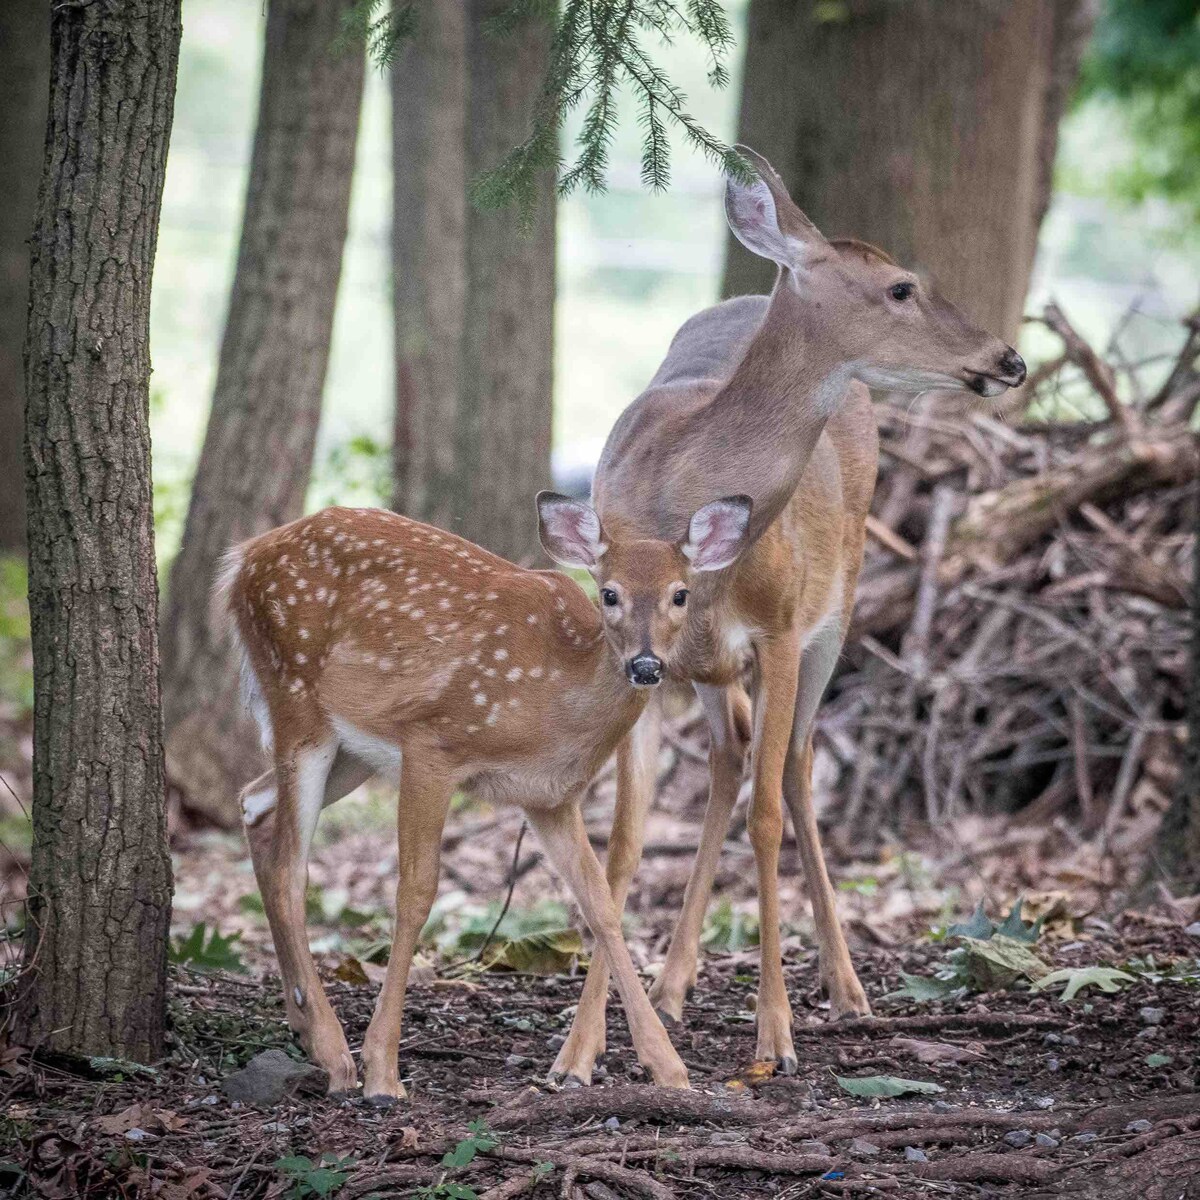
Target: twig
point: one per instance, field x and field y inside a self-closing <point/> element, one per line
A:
<point x="512" y="883"/>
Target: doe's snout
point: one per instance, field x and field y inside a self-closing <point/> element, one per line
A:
<point x="1011" y="367"/>
<point x="645" y="670"/>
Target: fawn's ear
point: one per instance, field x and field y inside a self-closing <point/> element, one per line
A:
<point x="765" y="219"/>
<point x="718" y="533"/>
<point x="570" y="531"/>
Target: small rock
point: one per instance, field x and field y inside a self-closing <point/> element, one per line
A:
<point x="1052" y="1039"/>
<point x="1086" y="1138"/>
<point x="861" y="1148"/>
<point x="1018" y="1139"/>
<point x="1044" y="1102"/>
<point x="1145" y="1035"/>
<point x="635" y="1071"/>
<point x="1142" y="1126"/>
<point x="912" y="1154"/>
<point x="725" y="1137"/>
<point x="600" y="1072"/>
<point x="556" y="1041"/>
<point x="1045" y="1141"/>
<point x="1069" y="1039"/>
<point x="943" y="1106"/>
<point x="275" y="1127"/>
<point x="1152" y="1016"/>
<point x="612" y="1124"/>
<point x="138" y="1135"/>
<point x="1053" y="1064"/>
<point x="516" y="1060"/>
<point x="270" y="1076"/>
<point x="811" y="1147"/>
<point x="1193" y="929"/>
<point x="213" y="1099"/>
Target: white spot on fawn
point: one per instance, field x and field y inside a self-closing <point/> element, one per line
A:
<point x="480" y="698"/>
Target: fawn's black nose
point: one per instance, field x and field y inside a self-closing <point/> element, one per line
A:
<point x="1012" y="367"/>
<point x="645" y="670"/>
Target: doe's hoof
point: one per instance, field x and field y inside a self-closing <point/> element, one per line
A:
<point x="570" y="1082"/>
<point x="669" y="1022"/>
<point x="787" y="1065"/>
<point x="381" y="1101"/>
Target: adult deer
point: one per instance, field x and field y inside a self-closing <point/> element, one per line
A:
<point x="375" y="644"/>
<point x="768" y="396"/>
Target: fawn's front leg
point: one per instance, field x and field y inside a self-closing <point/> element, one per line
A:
<point x="563" y="834"/>
<point x="637" y="774"/>
<point x="421" y="815"/>
<point x="279" y="845"/>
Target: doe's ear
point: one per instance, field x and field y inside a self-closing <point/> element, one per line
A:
<point x="765" y="219"/>
<point x="718" y="533"/>
<point x="569" y="530"/>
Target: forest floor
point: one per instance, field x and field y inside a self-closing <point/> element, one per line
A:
<point x="1035" y="1096"/>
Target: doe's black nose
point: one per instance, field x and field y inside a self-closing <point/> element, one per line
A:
<point x="645" y="670"/>
<point x="1012" y="366"/>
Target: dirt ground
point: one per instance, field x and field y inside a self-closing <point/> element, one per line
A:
<point x="1042" y="1098"/>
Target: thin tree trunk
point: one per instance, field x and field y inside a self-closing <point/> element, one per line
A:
<point x="257" y="457"/>
<point x="928" y="127"/>
<point x="474" y="293"/>
<point x="506" y="378"/>
<point x="24" y="88"/>
<point x="100" y="881"/>
<point x="429" y="213"/>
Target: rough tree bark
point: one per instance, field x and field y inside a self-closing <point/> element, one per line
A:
<point x="473" y="422"/>
<point x="24" y="87"/>
<point x="257" y="456"/>
<point x="928" y="127"/>
<point x="429" y="214"/>
<point x="100" y="881"/>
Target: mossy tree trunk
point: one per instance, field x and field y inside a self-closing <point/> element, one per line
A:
<point x="258" y="448"/>
<point x="100" y="880"/>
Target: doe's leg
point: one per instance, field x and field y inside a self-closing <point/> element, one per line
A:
<point x="728" y="721"/>
<point x="637" y="769"/>
<point x="563" y="834"/>
<point x="777" y="665"/>
<point x="279" y="848"/>
<point x="425" y="795"/>
<point x="846" y="995"/>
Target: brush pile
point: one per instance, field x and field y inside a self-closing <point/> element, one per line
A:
<point x="1021" y="637"/>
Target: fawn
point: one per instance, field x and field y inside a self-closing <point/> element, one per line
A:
<point x="766" y="395"/>
<point x="376" y="644"/>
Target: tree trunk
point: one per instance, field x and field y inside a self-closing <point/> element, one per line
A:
<point x="429" y="213"/>
<point x="257" y="456"/>
<point x="474" y="293"/>
<point x="508" y="338"/>
<point x="928" y="127"/>
<point x="100" y="881"/>
<point x="24" y="87"/>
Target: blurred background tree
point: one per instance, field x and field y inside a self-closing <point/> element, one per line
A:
<point x="24" y="86"/>
<point x="256" y="461"/>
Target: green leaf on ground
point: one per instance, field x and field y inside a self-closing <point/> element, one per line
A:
<point x="996" y="963"/>
<point x="1107" y="979"/>
<point x="217" y="953"/>
<point x="979" y="926"/>
<point x="1013" y="927"/>
<point x="923" y="988"/>
<point x="1158" y="1060"/>
<point x="885" y="1086"/>
<point x="547" y="953"/>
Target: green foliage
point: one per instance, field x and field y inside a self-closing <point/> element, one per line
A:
<point x="321" y="1178"/>
<point x="1180" y="970"/>
<point x="16" y="660"/>
<point x="217" y="953"/>
<point x="548" y="952"/>
<point x="355" y="471"/>
<point x="383" y="34"/>
<point x="456" y="926"/>
<point x="597" y="47"/>
<point x="1145" y="55"/>
<point x="886" y="1086"/>
<point x="981" y="928"/>
<point x="728" y="928"/>
<point x="1073" y="979"/>
<point x="1154" y="1061"/>
<point x="478" y="1139"/>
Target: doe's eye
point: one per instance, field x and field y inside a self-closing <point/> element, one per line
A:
<point x="680" y="598"/>
<point x="609" y="597"/>
<point x="901" y="291"/>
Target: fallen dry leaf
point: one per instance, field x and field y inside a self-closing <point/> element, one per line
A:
<point x="938" y="1052"/>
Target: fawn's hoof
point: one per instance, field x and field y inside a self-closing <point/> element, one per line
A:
<point x="669" y="1022"/>
<point x="382" y="1101"/>
<point x="787" y="1065"/>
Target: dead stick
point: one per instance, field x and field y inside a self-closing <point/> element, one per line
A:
<point x="1097" y="372"/>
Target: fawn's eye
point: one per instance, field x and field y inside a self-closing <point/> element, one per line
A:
<point x="609" y="597"/>
<point x="680" y="598"/>
<point x="901" y="291"/>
